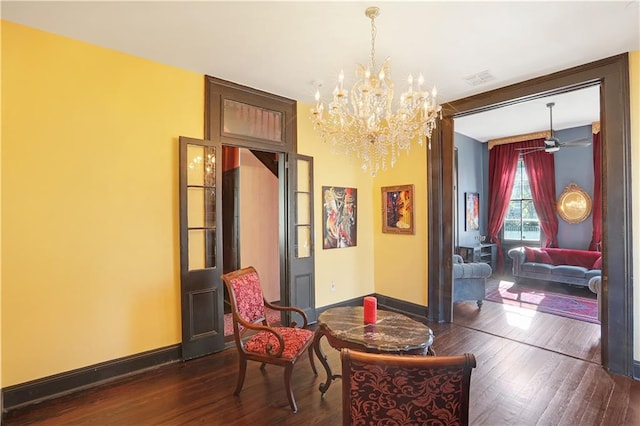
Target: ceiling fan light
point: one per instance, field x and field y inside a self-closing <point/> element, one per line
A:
<point x="552" y="149"/>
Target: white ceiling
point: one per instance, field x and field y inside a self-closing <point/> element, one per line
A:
<point x="571" y="109"/>
<point x="283" y="47"/>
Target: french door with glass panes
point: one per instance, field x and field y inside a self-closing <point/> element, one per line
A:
<point x="201" y="288"/>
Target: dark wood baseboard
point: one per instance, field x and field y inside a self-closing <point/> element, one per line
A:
<point x="60" y="384"/>
<point x="386" y="302"/>
<point x="357" y="301"/>
<point x="64" y="383"/>
<point x="636" y="370"/>
<point x="402" y="306"/>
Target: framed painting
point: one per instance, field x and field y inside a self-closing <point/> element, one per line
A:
<point x="339" y="217"/>
<point x="397" y="209"/>
<point x="574" y="204"/>
<point x="472" y="211"/>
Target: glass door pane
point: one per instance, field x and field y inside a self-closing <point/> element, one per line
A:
<point x="303" y="210"/>
<point x="201" y="217"/>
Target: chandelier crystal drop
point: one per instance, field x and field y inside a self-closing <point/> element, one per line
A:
<point x="361" y="122"/>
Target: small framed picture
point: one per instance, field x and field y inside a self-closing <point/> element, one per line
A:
<point x="472" y="211"/>
<point x="397" y="209"/>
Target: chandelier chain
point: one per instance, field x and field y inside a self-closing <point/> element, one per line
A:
<point x="373" y="42"/>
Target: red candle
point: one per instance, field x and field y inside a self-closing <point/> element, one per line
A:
<point x="370" y="309"/>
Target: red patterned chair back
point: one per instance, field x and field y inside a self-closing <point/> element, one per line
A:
<point x="394" y="389"/>
<point x="248" y="297"/>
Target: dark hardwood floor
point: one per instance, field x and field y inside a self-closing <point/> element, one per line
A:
<point x="514" y="383"/>
<point x="566" y="336"/>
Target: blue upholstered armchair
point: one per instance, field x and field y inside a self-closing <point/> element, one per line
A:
<point x="595" y="285"/>
<point x="469" y="280"/>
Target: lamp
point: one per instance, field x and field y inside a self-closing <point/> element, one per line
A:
<point x="362" y="123"/>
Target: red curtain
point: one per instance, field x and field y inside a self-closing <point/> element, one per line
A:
<point x="596" y="239"/>
<point x="503" y="160"/>
<point x="540" y="166"/>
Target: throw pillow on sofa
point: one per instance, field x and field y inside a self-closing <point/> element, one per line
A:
<point x="537" y="255"/>
<point x="597" y="264"/>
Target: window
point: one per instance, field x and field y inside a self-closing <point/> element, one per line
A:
<point x="521" y="222"/>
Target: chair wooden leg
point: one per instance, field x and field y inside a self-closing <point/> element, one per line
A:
<point x="311" y="360"/>
<point x="242" y="370"/>
<point x="288" y="372"/>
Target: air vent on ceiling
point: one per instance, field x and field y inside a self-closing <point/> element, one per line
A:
<point x="479" y="78"/>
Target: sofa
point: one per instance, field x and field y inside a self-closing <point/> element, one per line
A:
<point x="469" y="280"/>
<point x="569" y="266"/>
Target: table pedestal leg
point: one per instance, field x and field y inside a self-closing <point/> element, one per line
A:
<point x="323" y="360"/>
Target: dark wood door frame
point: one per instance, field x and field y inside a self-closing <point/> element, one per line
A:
<point x="217" y="91"/>
<point x="617" y="289"/>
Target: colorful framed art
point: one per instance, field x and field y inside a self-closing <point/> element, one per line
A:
<point x="339" y="217"/>
<point x="397" y="209"/>
<point x="472" y="211"/>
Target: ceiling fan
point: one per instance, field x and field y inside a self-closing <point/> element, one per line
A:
<point x="553" y="144"/>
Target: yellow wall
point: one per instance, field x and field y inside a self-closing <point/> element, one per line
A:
<point x="349" y="268"/>
<point x="388" y="264"/>
<point x="89" y="193"/>
<point x="400" y="261"/>
<point x="634" y="80"/>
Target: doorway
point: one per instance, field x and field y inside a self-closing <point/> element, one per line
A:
<point x="265" y="124"/>
<point x="250" y="211"/>
<point x="522" y="311"/>
<point x="267" y="217"/>
<point x="617" y="295"/>
<point x="242" y="117"/>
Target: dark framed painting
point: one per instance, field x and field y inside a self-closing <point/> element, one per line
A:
<point x="397" y="209"/>
<point x="339" y="217"/>
<point x="472" y="211"/>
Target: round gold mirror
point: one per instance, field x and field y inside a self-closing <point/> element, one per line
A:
<point x="574" y="204"/>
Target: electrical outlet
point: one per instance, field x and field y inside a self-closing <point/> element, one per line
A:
<point x="333" y="286"/>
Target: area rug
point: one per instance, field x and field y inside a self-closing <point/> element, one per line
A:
<point x="565" y="305"/>
<point x="272" y="316"/>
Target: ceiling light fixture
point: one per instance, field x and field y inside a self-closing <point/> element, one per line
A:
<point x="362" y="123"/>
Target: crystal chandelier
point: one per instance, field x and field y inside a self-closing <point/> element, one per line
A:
<point x="362" y="123"/>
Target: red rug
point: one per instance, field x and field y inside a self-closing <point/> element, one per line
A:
<point x="272" y="316"/>
<point x="565" y="305"/>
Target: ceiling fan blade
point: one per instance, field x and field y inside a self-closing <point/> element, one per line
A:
<point x="576" y="142"/>
<point x="525" y="151"/>
<point x="531" y="149"/>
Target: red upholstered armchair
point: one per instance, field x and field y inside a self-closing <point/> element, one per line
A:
<point x="255" y="339"/>
<point x="393" y="389"/>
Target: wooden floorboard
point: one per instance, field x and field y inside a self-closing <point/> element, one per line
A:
<point x="514" y="383"/>
<point x="568" y="336"/>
